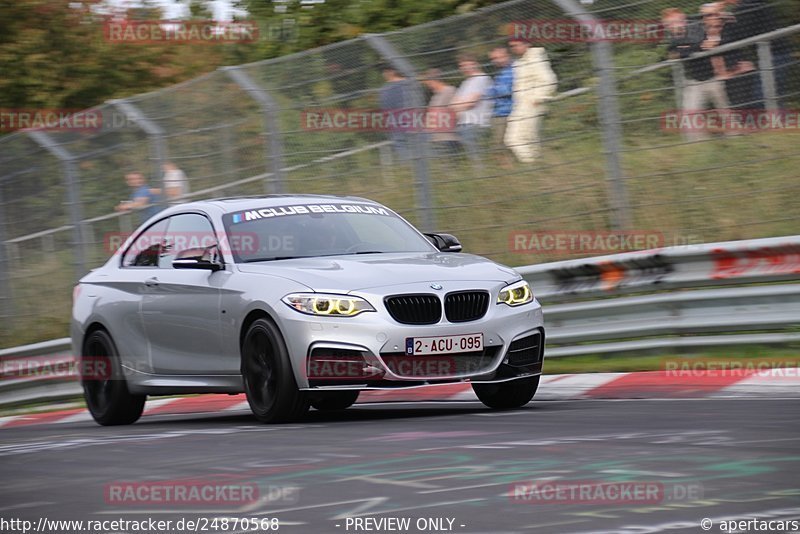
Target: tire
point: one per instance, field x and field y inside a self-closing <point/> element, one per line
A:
<point x="326" y="401"/>
<point x="507" y="395"/>
<point x="269" y="383"/>
<point x="106" y="391"/>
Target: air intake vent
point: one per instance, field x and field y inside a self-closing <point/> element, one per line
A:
<point x="414" y="309"/>
<point x="466" y="306"/>
<point x="525" y="351"/>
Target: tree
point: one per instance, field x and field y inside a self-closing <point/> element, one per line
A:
<point x="54" y="54"/>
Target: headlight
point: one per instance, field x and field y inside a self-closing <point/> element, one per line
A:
<point x="326" y="304"/>
<point x="515" y="294"/>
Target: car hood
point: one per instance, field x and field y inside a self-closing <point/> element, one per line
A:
<point x="355" y="272"/>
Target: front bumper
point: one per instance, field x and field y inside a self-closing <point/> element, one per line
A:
<point x="380" y="342"/>
<point x="387" y="385"/>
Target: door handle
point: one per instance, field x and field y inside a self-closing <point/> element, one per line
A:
<point x="151" y="282"/>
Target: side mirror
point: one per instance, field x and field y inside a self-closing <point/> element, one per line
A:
<point x="197" y="258"/>
<point x="445" y="242"/>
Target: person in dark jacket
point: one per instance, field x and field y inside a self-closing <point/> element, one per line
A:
<point x="704" y="84"/>
<point x="749" y="18"/>
<point x="394" y="98"/>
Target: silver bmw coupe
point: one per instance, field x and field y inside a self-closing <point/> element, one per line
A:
<point x="298" y="301"/>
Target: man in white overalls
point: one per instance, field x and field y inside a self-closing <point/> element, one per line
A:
<point x="534" y="84"/>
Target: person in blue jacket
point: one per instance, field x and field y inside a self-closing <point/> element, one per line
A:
<point x="501" y="93"/>
<point x="144" y="199"/>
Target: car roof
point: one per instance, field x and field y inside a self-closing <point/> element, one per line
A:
<point x="231" y="204"/>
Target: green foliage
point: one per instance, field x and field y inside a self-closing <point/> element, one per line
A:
<point x="337" y="20"/>
<point x="53" y="53"/>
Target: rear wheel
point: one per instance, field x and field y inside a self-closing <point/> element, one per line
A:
<point x="333" y="400"/>
<point x="507" y="395"/>
<point x="269" y="383"/>
<point x="104" y="386"/>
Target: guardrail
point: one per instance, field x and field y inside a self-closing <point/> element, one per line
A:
<point x="720" y="294"/>
<point x="38" y="372"/>
<point x="717" y="294"/>
<point x="774" y="259"/>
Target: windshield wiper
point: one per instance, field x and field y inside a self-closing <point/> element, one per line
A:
<point x="276" y="258"/>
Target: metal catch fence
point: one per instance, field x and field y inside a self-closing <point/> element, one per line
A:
<point x="609" y="159"/>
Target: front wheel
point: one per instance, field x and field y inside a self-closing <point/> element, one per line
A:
<point x="507" y="395"/>
<point x="105" y="389"/>
<point x="269" y="383"/>
<point x="333" y="400"/>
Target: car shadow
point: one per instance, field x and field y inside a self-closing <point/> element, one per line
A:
<point x="360" y="412"/>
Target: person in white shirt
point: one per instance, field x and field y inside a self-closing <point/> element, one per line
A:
<point x="472" y="107"/>
<point x="534" y="85"/>
<point x="443" y="136"/>
<point x="176" y="185"/>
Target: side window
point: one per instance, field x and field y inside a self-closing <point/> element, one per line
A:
<point x="186" y="231"/>
<point x="146" y="249"/>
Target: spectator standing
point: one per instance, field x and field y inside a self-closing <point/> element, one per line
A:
<point x="176" y="185"/>
<point x="143" y="198"/>
<point x="534" y="84"/>
<point x="701" y="87"/>
<point x="717" y="26"/>
<point x="472" y="108"/>
<point x="751" y="18"/>
<point x="439" y="119"/>
<point x="729" y="66"/>
<point x="684" y="36"/>
<point x="394" y="98"/>
<point x="501" y="92"/>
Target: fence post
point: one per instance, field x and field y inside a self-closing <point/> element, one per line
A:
<point x="155" y="134"/>
<point x="679" y="79"/>
<point x="422" y="183"/>
<point x="608" y="110"/>
<point x="72" y="187"/>
<point x="226" y="139"/>
<point x="273" y="149"/>
<point x="6" y="299"/>
<point x="767" y="71"/>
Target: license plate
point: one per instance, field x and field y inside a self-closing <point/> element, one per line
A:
<point x="422" y="346"/>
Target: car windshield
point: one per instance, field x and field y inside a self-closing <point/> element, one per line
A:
<point x="314" y="230"/>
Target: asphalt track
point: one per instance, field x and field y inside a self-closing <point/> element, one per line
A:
<point x="712" y="458"/>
